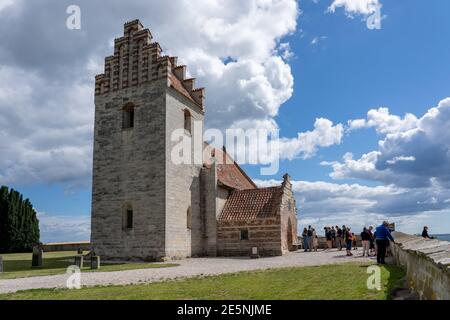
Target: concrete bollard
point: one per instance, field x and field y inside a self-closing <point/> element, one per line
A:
<point x="79" y="261"/>
<point x="1" y="264"/>
<point x="95" y="262"/>
<point x="38" y="253"/>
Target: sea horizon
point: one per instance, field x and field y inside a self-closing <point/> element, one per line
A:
<point x="444" y="237"/>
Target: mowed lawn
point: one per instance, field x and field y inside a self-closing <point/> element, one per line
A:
<point x="18" y="265"/>
<point x="344" y="281"/>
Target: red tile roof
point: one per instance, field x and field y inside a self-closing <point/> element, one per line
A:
<point x="178" y="86"/>
<point x="252" y="204"/>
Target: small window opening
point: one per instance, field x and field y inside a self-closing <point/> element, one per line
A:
<point x="128" y="217"/>
<point x="244" y="234"/>
<point x="128" y="116"/>
<point x="189" y="218"/>
<point x="187" y="121"/>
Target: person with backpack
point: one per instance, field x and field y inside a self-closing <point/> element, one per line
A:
<point x="348" y="237"/>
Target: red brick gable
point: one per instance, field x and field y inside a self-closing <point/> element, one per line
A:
<point x="232" y="176"/>
<point x="137" y="60"/>
<point x="176" y="84"/>
<point x="252" y="204"/>
<point x="229" y="173"/>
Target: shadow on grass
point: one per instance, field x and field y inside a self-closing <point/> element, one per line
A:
<point x="395" y="279"/>
<point x="47" y="263"/>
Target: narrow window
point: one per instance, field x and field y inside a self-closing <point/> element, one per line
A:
<point x="244" y="234"/>
<point x="289" y="205"/>
<point x="129" y="222"/>
<point x="127" y="217"/>
<point x="189" y="218"/>
<point x="187" y="121"/>
<point x="128" y="116"/>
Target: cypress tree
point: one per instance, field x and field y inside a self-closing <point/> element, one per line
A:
<point x="19" y="226"/>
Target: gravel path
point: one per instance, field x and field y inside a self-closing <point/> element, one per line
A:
<point x="187" y="268"/>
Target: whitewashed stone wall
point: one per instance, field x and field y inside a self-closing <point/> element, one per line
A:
<point x="182" y="184"/>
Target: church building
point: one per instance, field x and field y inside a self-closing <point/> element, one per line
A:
<point x="146" y="207"/>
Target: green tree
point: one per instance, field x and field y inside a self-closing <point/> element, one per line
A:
<point x="19" y="225"/>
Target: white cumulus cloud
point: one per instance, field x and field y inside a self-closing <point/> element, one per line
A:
<point x="355" y="7"/>
<point x="414" y="152"/>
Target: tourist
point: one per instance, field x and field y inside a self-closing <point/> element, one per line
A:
<point x="425" y="233"/>
<point x="315" y="240"/>
<point x="340" y="237"/>
<point x="305" y="239"/>
<point x="348" y="241"/>
<point x="328" y="237"/>
<point x="372" y="241"/>
<point x="310" y="238"/>
<point x="333" y="237"/>
<point x="354" y="242"/>
<point x="365" y="238"/>
<point x="382" y="236"/>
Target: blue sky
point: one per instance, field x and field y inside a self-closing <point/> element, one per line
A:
<point x="340" y="71"/>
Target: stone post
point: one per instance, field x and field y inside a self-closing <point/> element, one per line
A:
<point x="95" y="262"/>
<point x="1" y="264"/>
<point x="79" y="261"/>
<point x="38" y="252"/>
<point x="254" y="254"/>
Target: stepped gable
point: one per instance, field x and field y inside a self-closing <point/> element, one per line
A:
<point x="137" y="60"/>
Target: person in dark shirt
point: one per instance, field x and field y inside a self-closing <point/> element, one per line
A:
<point x="340" y="238"/>
<point x="305" y="239"/>
<point x="328" y="237"/>
<point x="365" y="238"/>
<point x="310" y="238"/>
<point x="333" y="237"/>
<point x="425" y="233"/>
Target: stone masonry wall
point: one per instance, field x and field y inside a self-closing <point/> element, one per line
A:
<point x="427" y="263"/>
<point x="128" y="169"/>
<point x="132" y="167"/>
<point x="288" y="214"/>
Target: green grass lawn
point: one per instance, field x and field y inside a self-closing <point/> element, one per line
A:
<point x="337" y="282"/>
<point x="18" y="265"/>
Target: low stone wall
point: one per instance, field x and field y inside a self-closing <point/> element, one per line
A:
<point x="427" y="264"/>
<point x="66" y="246"/>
